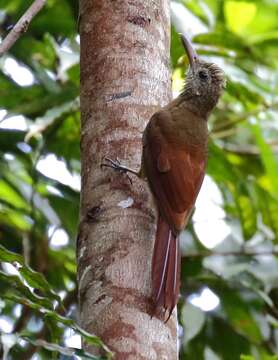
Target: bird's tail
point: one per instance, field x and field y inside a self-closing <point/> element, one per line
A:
<point x="165" y="269"/>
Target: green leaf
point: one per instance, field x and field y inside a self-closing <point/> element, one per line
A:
<point x="268" y="158"/>
<point x="246" y="357"/>
<point x="226" y="40"/>
<point x="21" y="292"/>
<point x="176" y="47"/>
<point x="8" y="194"/>
<point x="65" y="130"/>
<point x="264" y="357"/>
<point x="9" y="256"/>
<point x="243" y="94"/>
<point x="74" y="74"/>
<point x="269" y="209"/>
<point x="239" y="314"/>
<point x="224" y="341"/>
<point x="196" y="8"/>
<point x="61" y="350"/>
<point x="38" y="281"/>
<point x="239" y="14"/>
<point x="33" y="278"/>
<point x="32" y="100"/>
<point x="38" y="304"/>
<point x="219" y="166"/>
<point x="62" y="21"/>
<point x="46" y="121"/>
<point x="67" y="210"/>
<point x="41" y="51"/>
<point x="247" y="210"/>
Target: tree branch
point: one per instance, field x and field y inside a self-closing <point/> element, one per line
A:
<point x="206" y="253"/>
<point x="245" y="149"/>
<point x="224" y="133"/>
<point x="226" y="125"/>
<point x="21" y="26"/>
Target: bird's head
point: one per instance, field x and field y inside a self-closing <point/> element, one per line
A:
<point x="204" y="81"/>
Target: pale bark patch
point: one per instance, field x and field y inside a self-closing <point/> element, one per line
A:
<point x="126" y="203"/>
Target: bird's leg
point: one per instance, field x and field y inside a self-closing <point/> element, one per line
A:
<point x="116" y="165"/>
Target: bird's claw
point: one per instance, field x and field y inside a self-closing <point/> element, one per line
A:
<point x="116" y="165"/>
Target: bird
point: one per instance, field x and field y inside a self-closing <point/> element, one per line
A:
<point x="174" y="158"/>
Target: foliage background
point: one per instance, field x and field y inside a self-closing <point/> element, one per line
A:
<point x="39" y="136"/>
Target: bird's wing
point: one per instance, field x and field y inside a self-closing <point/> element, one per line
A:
<point x="175" y="175"/>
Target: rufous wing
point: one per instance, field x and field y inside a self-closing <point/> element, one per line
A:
<point x="175" y="173"/>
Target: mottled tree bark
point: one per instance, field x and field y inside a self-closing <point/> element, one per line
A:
<point x="125" y="77"/>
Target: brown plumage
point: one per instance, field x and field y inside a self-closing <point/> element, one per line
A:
<point x="174" y="160"/>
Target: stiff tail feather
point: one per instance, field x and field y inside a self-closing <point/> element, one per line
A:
<point x="165" y="269"/>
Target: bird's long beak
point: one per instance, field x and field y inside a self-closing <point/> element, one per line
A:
<point x="191" y="53"/>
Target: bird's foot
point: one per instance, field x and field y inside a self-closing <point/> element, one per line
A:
<point x="116" y="165"/>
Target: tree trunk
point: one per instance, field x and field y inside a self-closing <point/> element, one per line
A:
<point x="125" y="77"/>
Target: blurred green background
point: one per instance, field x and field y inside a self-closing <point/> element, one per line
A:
<point x="229" y="298"/>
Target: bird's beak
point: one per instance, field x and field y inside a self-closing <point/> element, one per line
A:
<point x="191" y="53"/>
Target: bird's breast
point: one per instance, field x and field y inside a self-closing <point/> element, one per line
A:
<point x="186" y="130"/>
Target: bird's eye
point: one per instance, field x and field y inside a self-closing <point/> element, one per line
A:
<point x="203" y="75"/>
